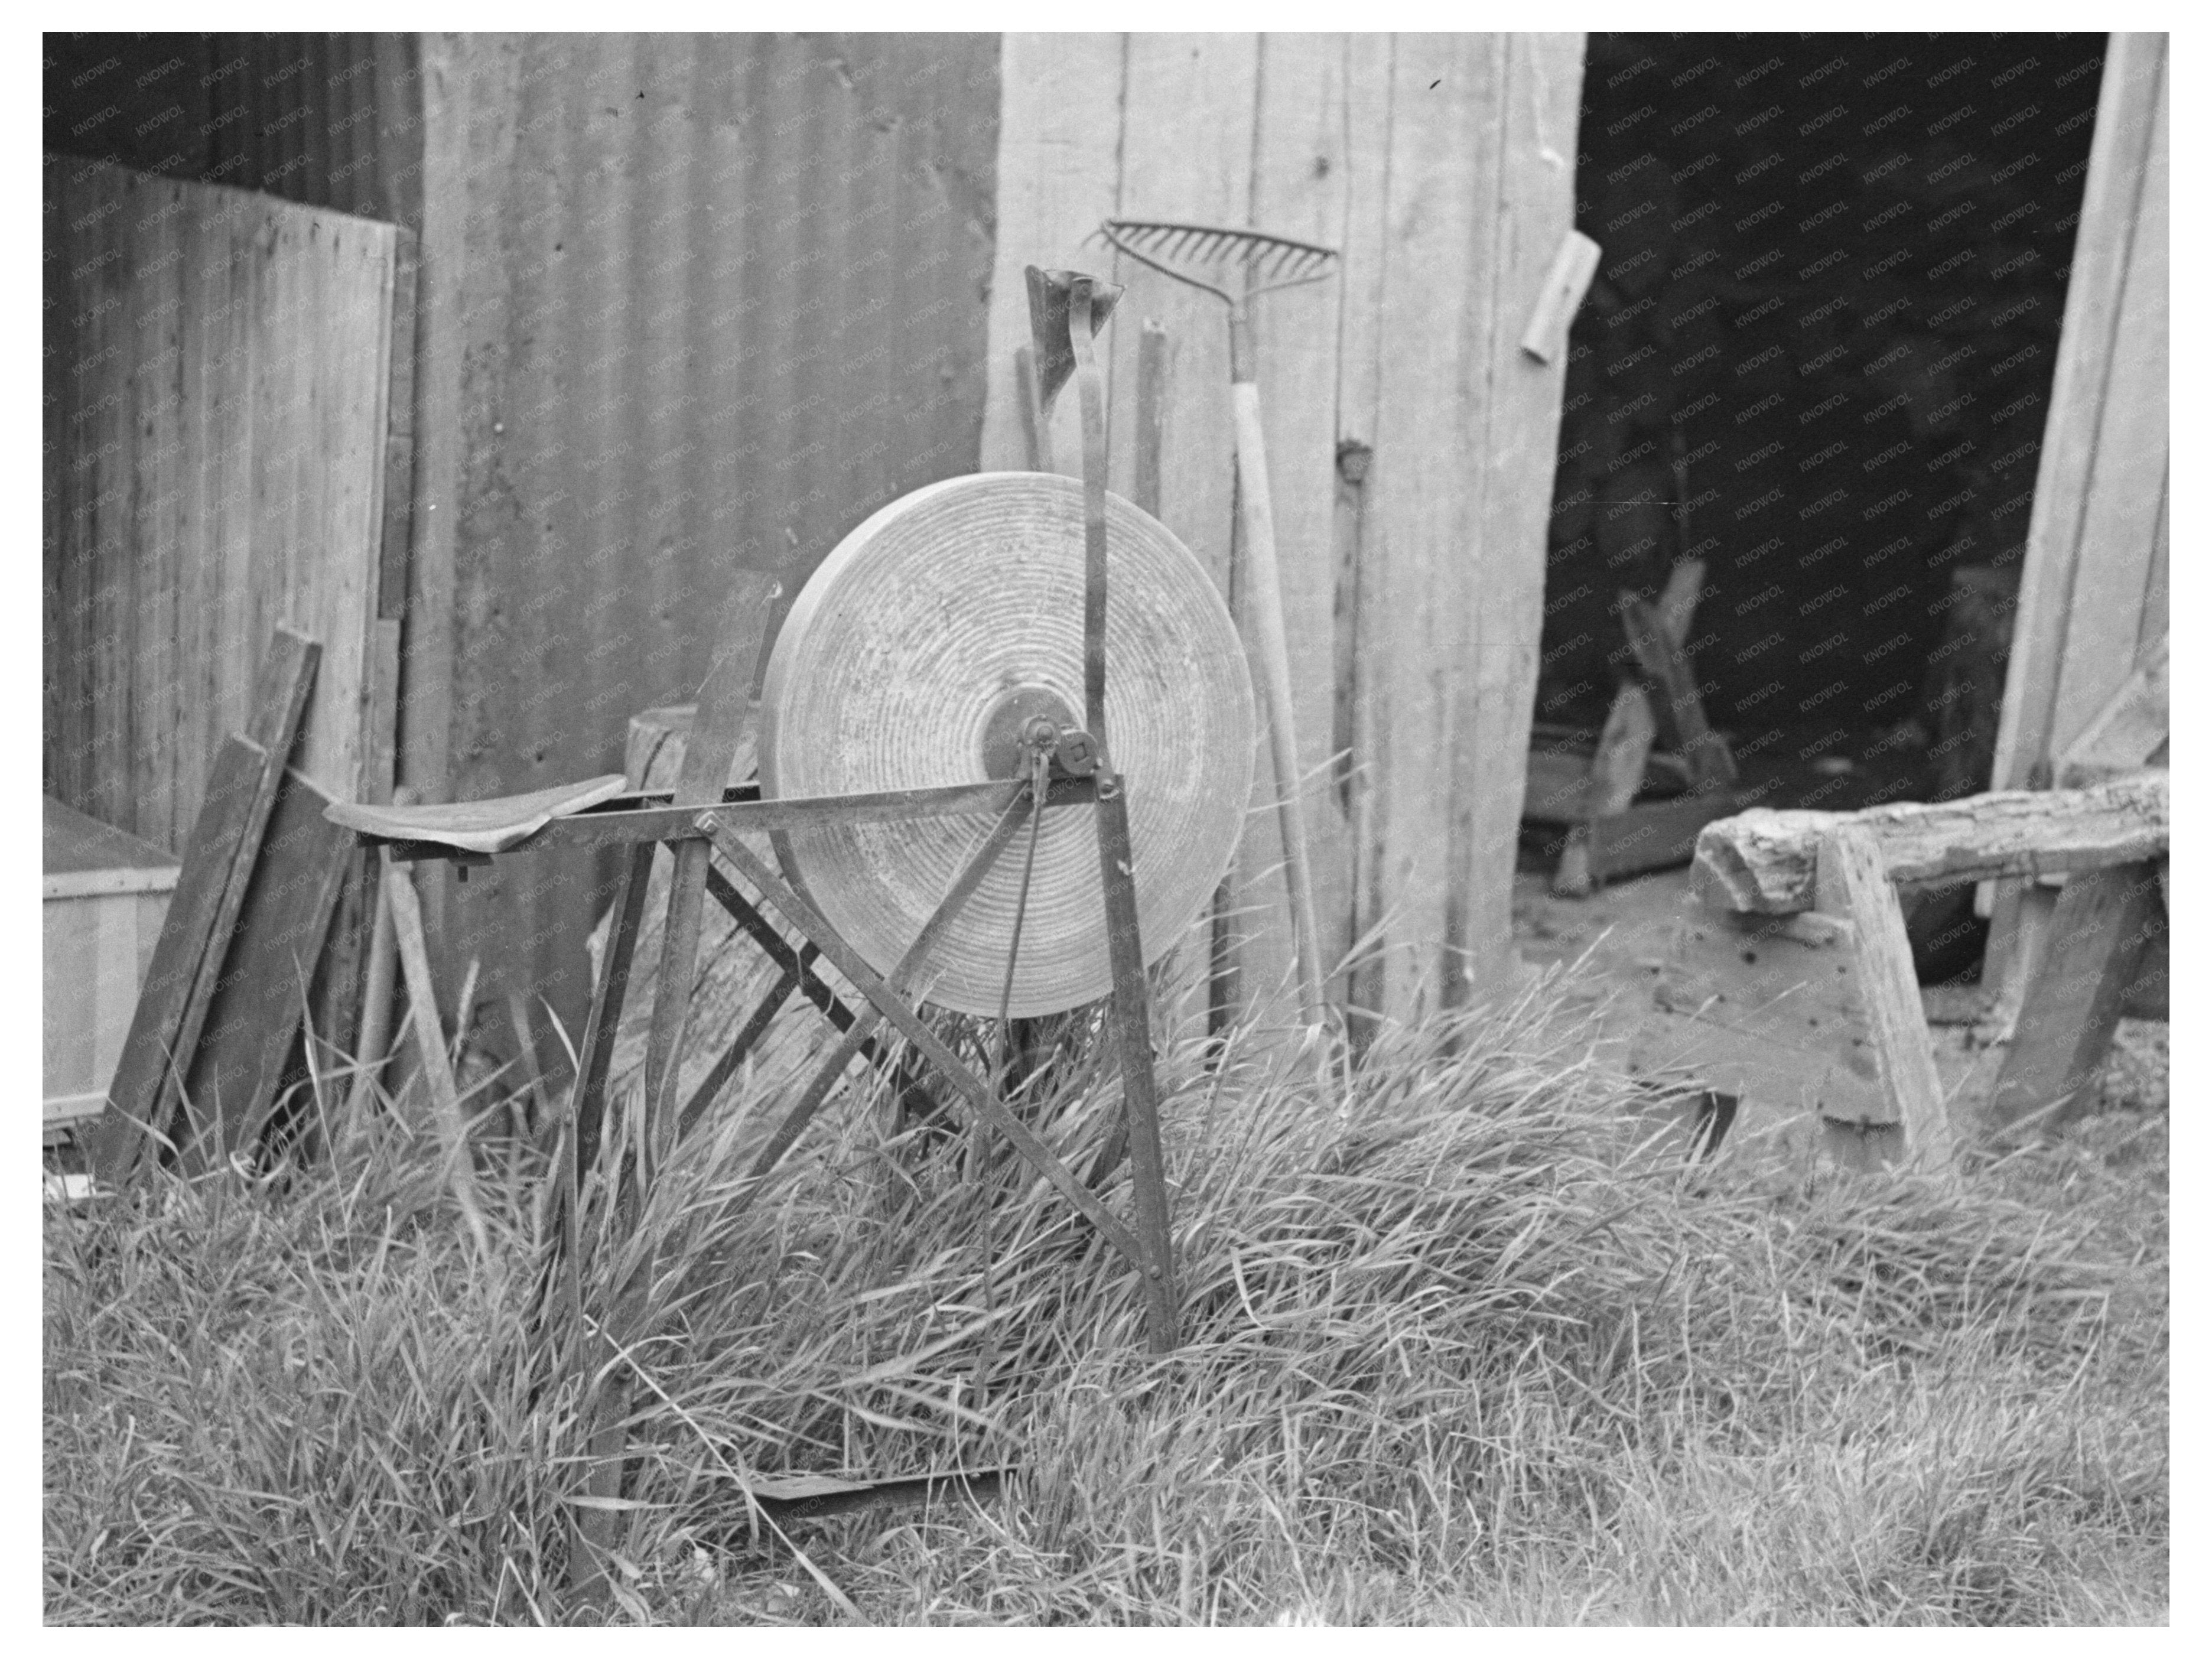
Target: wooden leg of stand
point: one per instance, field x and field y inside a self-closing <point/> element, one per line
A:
<point x="594" y="1531"/>
<point x="1140" y="1102"/>
<point x="589" y="1108"/>
<point x="2067" y="1018"/>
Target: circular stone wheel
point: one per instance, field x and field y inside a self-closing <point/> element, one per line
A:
<point x="885" y="676"/>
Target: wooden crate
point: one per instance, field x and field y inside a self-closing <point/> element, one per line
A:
<point x="105" y="893"/>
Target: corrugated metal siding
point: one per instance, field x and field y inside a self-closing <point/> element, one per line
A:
<point x="331" y="120"/>
<point x="743" y="282"/>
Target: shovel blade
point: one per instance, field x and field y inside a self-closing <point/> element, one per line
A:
<point x="1048" y="325"/>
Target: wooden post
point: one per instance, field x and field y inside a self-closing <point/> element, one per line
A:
<point x="2064" y="1028"/>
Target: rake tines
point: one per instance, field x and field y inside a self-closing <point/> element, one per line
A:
<point x="1184" y="250"/>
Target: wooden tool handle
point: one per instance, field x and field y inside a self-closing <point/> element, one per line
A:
<point x="1270" y="649"/>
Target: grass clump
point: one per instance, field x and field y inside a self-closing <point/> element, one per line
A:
<point x="1463" y="1342"/>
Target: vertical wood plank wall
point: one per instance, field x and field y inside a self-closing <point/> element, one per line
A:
<point x="2094" y="582"/>
<point x="1442" y="166"/>
<point x="215" y="463"/>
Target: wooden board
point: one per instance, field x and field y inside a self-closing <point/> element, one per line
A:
<point x="216" y="464"/>
<point x="1765" y="1008"/>
<point x="2120" y="514"/>
<point x="179" y="984"/>
<point x="253" y="1016"/>
<point x="1432" y="339"/>
<point x="1513" y="449"/>
<point x="2121" y="160"/>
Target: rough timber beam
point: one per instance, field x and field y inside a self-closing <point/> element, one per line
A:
<point x="1767" y="861"/>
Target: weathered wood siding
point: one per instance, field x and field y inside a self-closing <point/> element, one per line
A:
<point x="216" y="450"/>
<point x="1442" y="166"/>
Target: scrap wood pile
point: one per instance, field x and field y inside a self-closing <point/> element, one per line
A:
<point x="1633" y="797"/>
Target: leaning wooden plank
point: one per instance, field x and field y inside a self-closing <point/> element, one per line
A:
<point x="1766" y="861"/>
<point x="430" y="1045"/>
<point x="254" y="1015"/>
<point x="2120" y="159"/>
<point x="2127" y="732"/>
<point x="1667" y="662"/>
<point x="172" y="1003"/>
<point x="2105" y="447"/>
<point x="1678" y="600"/>
<point x="2065" y="1026"/>
<point x="1616" y="772"/>
<point x="1852" y="884"/>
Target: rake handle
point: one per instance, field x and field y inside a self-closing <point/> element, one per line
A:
<point x="1269" y="644"/>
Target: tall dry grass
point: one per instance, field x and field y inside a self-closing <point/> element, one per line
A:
<point x="1464" y="1340"/>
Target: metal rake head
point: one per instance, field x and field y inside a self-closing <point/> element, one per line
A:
<point x="1211" y="256"/>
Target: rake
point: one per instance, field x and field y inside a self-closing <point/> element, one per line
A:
<point x="1236" y="267"/>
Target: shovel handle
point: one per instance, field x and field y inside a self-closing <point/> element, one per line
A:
<point x="1269" y="645"/>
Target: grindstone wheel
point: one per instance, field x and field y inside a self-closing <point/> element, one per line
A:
<point x="931" y="632"/>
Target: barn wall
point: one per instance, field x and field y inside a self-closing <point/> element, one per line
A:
<point x="1442" y="166"/>
<point x="690" y="302"/>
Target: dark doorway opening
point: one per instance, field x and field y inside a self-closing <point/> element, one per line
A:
<point x="1817" y="355"/>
